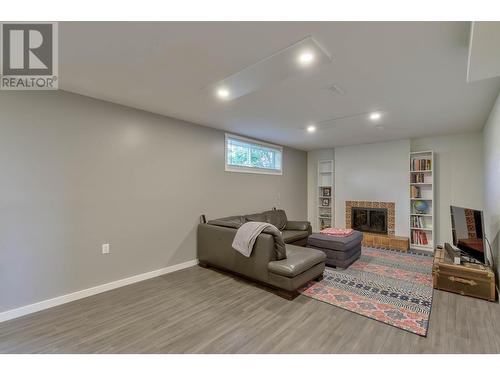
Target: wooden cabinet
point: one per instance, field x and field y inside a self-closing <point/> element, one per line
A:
<point x="399" y="243"/>
<point x="468" y="279"/>
<point x="385" y="241"/>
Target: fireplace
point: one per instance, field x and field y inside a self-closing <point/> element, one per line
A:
<point x="388" y="206"/>
<point x="377" y="222"/>
<point x="372" y="220"/>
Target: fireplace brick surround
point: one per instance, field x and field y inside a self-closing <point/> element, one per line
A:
<point x="390" y="206"/>
<point x="389" y="241"/>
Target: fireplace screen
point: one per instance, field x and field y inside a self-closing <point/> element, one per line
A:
<point x="373" y="220"/>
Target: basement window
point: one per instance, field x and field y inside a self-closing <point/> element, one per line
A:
<point x="249" y="156"/>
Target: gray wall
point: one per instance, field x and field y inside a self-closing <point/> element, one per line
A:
<point x="373" y="172"/>
<point x="77" y="172"/>
<point x="458" y="175"/>
<point x="491" y="135"/>
<point x="458" y="179"/>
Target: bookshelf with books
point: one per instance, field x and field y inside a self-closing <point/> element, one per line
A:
<point x="325" y="194"/>
<point x="421" y="192"/>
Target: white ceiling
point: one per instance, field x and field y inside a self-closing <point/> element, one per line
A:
<point x="414" y="72"/>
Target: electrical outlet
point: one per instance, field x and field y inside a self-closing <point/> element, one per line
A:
<point x="105" y="248"/>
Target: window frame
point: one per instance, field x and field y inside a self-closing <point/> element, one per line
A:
<point x="255" y="170"/>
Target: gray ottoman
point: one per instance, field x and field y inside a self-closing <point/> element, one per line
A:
<point x="340" y="251"/>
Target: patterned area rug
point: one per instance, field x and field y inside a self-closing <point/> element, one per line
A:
<point x="388" y="286"/>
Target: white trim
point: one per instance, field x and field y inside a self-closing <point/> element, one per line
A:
<point x="48" y="303"/>
<point x="242" y="169"/>
<point x="256" y="141"/>
<point x="237" y="169"/>
<point x="415" y="155"/>
<point x="420" y="152"/>
<point x="469" y="53"/>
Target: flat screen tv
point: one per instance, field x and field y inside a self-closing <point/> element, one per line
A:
<point x="467" y="228"/>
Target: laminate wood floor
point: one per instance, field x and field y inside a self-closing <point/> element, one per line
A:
<point x="200" y="310"/>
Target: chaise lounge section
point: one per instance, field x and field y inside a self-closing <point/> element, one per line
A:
<point x="268" y="264"/>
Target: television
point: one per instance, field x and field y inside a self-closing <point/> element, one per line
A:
<point x="467" y="227"/>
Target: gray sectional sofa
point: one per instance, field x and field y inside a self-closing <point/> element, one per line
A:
<point x="277" y="261"/>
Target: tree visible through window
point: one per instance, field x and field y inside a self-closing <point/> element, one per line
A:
<point x="245" y="155"/>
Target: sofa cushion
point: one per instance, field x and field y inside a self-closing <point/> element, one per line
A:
<point x="229" y="222"/>
<point x="297" y="225"/>
<point x="326" y="241"/>
<point x="276" y="218"/>
<point x="256" y="217"/>
<point x="294" y="235"/>
<point x="298" y="260"/>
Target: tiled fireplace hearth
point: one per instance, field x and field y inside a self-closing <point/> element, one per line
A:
<point x="389" y="206"/>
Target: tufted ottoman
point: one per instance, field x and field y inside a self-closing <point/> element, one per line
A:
<point x="340" y="251"/>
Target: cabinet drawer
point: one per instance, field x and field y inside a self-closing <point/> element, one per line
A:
<point x="480" y="288"/>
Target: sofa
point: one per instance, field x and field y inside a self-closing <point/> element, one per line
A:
<point x="279" y="261"/>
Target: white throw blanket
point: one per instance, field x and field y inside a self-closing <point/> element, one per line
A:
<point x="247" y="235"/>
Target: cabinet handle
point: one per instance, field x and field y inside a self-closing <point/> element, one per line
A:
<point x="463" y="281"/>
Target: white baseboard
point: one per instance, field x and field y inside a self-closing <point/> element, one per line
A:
<point x="46" y="304"/>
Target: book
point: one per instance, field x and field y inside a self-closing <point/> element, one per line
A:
<point x="421" y="164"/>
<point x="419" y="237"/>
<point x="415" y="192"/>
<point x="418" y="178"/>
<point x="417" y="222"/>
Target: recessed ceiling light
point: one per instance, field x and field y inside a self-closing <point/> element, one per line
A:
<point x="374" y="116"/>
<point x="306" y="58"/>
<point x="311" y="128"/>
<point x="223" y="93"/>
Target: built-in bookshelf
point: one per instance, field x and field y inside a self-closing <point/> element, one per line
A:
<point x="422" y="205"/>
<point x="325" y="190"/>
